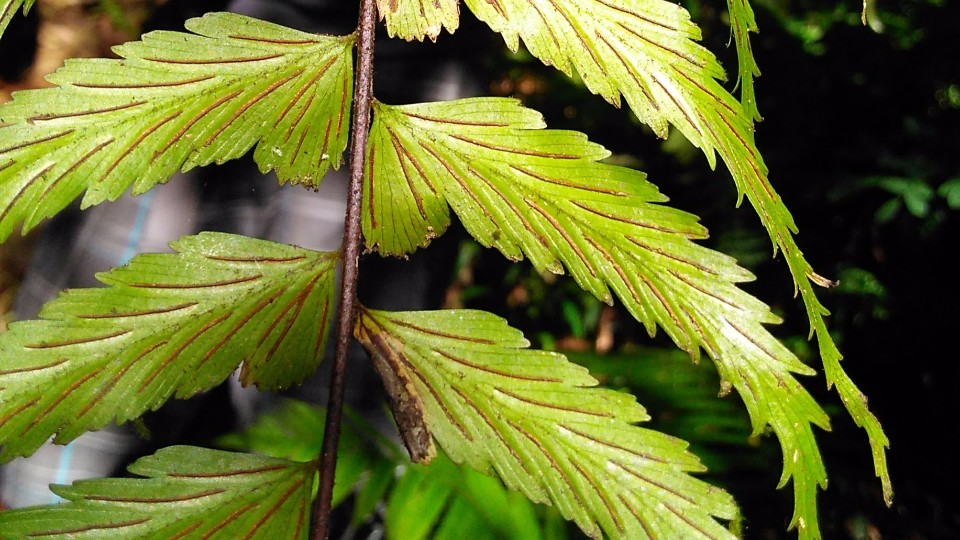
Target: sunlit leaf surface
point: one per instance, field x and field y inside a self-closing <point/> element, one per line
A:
<point x="542" y="194"/>
<point x="537" y="420"/>
<point x="167" y="325"/>
<point x="172" y="102"/>
<point x="187" y="492"/>
<point x="646" y="52"/>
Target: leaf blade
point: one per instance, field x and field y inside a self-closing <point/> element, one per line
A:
<point x="542" y="194"/>
<point x="646" y="53"/>
<point x="533" y="418"/>
<point x="186" y="491"/>
<point x="417" y="19"/>
<point x="175" y="101"/>
<point x="168" y="325"/>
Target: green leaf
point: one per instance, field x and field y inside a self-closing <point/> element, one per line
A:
<point x="169" y="324"/>
<point x="645" y="51"/>
<point x="541" y="194"/>
<point x="172" y="102"/>
<point x="187" y="493"/>
<point x="950" y="191"/>
<point x="742" y="22"/>
<point x="416" y="19"/>
<point x="8" y="9"/>
<point x="444" y="500"/>
<point x="367" y="466"/>
<point x="685" y="400"/>
<point x="534" y="418"/>
<point x="294" y="431"/>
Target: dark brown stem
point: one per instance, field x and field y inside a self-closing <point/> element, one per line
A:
<point x="362" y="102"/>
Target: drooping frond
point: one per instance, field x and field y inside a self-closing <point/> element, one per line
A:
<point x="542" y="194"/>
<point x="416" y="19"/>
<point x="537" y="420"/>
<point x="646" y="52"/>
<point x="168" y="324"/>
<point x="172" y="102"/>
<point x="188" y="492"/>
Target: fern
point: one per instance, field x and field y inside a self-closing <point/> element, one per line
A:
<point x="168" y="325"/>
<point x="461" y="383"/>
<point x="188" y="492"/>
<point x="176" y="101"/>
<point x="493" y="405"/>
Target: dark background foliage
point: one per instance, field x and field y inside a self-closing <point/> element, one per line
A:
<point x="862" y="137"/>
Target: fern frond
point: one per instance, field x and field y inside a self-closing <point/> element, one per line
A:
<point x="542" y="194"/>
<point x="172" y="102"/>
<point x="8" y="10"/>
<point x="646" y="52"/>
<point x="416" y="19"/>
<point x="187" y="493"/>
<point x="168" y="324"/>
<point x="535" y="419"/>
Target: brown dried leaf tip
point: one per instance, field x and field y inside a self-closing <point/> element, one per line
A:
<point x="405" y="402"/>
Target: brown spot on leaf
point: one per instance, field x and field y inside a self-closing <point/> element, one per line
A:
<point x="405" y="401"/>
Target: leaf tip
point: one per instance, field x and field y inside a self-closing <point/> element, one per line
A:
<point x="822" y="281"/>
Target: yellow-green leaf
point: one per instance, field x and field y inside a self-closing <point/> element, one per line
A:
<point x="187" y="493"/>
<point x="537" y="420"/>
<point x="416" y="19"/>
<point x="167" y="325"/>
<point x="542" y="194"/>
<point x="172" y="102"/>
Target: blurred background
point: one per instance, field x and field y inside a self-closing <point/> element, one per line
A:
<point x="861" y="133"/>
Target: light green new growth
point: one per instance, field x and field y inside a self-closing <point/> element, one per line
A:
<point x="542" y="194"/>
<point x="168" y="324"/>
<point x="645" y="51"/>
<point x="173" y="102"/>
<point x="416" y="19"/>
<point x="187" y="493"/>
<point x="8" y="10"/>
<point x="534" y="418"/>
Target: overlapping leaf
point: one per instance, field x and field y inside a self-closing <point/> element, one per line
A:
<point x="187" y="493"/>
<point x="294" y="430"/>
<point x="175" y="101"/>
<point x="416" y="19"/>
<point x="535" y="419"/>
<point x="541" y="194"/>
<point x="646" y="52"/>
<point x="170" y="324"/>
<point x="8" y="10"/>
<point x="441" y="500"/>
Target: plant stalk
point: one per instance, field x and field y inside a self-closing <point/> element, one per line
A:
<point x="362" y="103"/>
